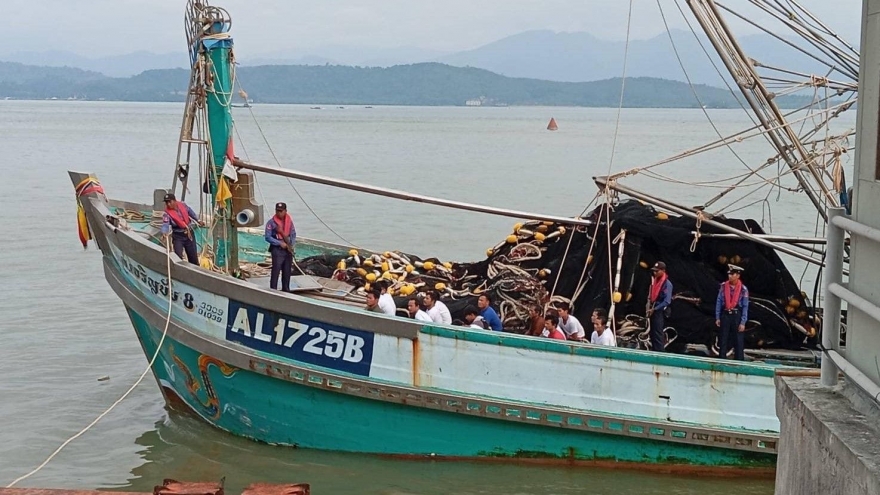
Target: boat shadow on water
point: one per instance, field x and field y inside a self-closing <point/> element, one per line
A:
<point x="181" y="446"/>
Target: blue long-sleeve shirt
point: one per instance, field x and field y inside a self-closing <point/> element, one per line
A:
<point x="665" y="297"/>
<point x="271" y="231"/>
<point x="742" y="304"/>
<point x="169" y="226"/>
<point x="491" y="318"/>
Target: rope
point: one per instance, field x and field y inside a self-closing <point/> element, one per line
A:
<point x="607" y="190"/>
<point x="127" y="392"/>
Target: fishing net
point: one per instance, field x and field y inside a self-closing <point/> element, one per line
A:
<point x="543" y="263"/>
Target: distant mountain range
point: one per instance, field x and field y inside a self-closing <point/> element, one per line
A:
<point x="573" y="57"/>
<point x="417" y="84"/>
<point x="545" y="55"/>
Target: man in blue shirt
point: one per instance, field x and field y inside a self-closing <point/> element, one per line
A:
<point x="281" y="236"/>
<point x="732" y="313"/>
<point x="659" y="298"/>
<point x="178" y="220"/>
<point x="488" y="314"/>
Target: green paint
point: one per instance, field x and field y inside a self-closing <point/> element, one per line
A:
<point x="276" y="411"/>
<point x="219" y="115"/>
<point x="219" y="101"/>
<point x="615" y="353"/>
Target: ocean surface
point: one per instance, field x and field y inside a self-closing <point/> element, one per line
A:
<point x="61" y="327"/>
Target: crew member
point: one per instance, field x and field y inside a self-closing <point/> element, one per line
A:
<point x="373" y="301"/>
<point x="281" y="236"/>
<point x="536" y="321"/>
<point x="488" y="313"/>
<point x="569" y="324"/>
<point x="659" y="299"/>
<point x="386" y="302"/>
<point x="602" y="335"/>
<point x="415" y="310"/>
<point x="178" y="220"/>
<point x="474" y="320"/>
<point x="731" y="313"/>
<point x="438" y="311"/>
<point x="551" y="327"/>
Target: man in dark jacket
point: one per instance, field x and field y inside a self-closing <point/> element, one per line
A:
<point x="659" y="299"/>
<point x="281" y="236"/>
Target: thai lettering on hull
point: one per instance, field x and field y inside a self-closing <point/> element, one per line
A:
<point x="300" y="339"/>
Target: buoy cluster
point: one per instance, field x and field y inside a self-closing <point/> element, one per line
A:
<point x="517" y="256"/>
<point x="535" y="232"/>
<point x="404" y="273"/>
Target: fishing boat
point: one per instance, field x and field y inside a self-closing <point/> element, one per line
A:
<point x="312" y="369"/>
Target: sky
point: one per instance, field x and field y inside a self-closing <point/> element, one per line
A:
<point x="113" y="27"/>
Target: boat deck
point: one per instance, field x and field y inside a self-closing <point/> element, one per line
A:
<point x="256" y="262"/>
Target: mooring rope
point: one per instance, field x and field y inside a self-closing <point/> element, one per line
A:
<point x="127" y="392"/>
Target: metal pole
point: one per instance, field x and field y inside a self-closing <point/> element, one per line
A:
<point x="418" y="198"/>
<point x="751" y="90"/>
<point x="603" y="182"/>
<point x="774" y="238"/>
<point x="833" y="275"/>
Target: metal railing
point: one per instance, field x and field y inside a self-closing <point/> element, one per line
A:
<point x="835" y="291"/>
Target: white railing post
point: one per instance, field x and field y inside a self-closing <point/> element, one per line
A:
<point x="833" y="275"/>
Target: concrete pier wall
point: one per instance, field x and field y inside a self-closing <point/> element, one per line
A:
<point x="829" y="439"/>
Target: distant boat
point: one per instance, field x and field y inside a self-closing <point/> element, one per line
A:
<point x="368" y="106"/>
<point x="315" y="108"/>
<point x="244" y="96"/>
<point x="552" y="125"/>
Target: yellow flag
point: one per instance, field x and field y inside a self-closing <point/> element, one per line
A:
<point x="223" y="192"/>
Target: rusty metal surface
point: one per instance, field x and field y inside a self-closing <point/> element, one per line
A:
<point x="277" y="489"/>
<point x="58" y="491"/>
<point x="174" y="487"/>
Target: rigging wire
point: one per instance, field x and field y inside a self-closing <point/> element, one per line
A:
<point x="697" y="96"/>
<point x="289" y="181"/>
<point x="607" y="191"/>
<point x="714" y="65"/>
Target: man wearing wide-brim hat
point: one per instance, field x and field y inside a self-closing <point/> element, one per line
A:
<point x="731" y="313"/>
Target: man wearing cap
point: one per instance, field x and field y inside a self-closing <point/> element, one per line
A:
<point x="281" y="236"/>
<point x="178" y="220"/>
<point x="731" y="313"/>
<point x="659" y="299"/>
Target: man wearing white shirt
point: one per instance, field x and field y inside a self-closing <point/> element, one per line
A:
<point x="438" y="311"/>
<point x="569" y="324"/>
<point x="386" y="302"/>
<point x="601" y="334"/>
<point x="415" y="310"/>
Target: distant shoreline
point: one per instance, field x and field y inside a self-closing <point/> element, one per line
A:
<point x="428" y="84"/>
<point x="333" y="106"/>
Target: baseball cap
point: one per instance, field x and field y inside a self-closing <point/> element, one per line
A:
<point x="659" y="266"/>
<point x="169" y="197"/>
<point x="280" y="206"/>
<point x="734" y="269"/>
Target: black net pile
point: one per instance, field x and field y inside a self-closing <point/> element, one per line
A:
<point x="543" y="258"/>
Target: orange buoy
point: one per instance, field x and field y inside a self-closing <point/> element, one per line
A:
<point x="552" y="125"/>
